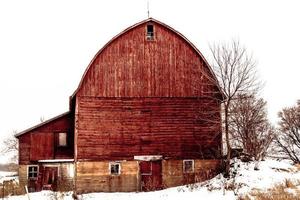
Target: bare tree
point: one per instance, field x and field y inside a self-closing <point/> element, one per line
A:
<point x="236" y="73"/>
<point x="288" y="138"/>
<point x="11" y="148"/>
<point x="249" y="126"/>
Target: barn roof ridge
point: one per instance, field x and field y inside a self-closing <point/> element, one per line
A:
<point x="138" y="24"/>
<point x="41" y="124"/>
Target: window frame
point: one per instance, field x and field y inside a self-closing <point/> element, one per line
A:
<point x="58" y="139"/>
<point x="33" y="172"/>
<point x="114" y="163"/>
<point x="150" y="37"/>
<point x="184" y="166"/>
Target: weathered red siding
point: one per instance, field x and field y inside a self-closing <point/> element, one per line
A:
<point x="42" y="146"/>
<point x="141" y="97"/>
<point x="24" y="149"/>
<point x="119" y="128"/>
<point x="40" y="143"/>
<point x="132" y="66"/>
<point x="136" y="98"/>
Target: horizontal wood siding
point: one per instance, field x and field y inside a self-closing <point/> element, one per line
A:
<point x="119" y="128"/>
<point x="40" y="143"/>
<point x="132" y="66"/>
<point x="173" y="175"/>
<point x="95" y="177"/>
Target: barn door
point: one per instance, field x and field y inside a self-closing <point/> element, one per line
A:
<point x="151" y="175"/>
<point x="50" y="178"/>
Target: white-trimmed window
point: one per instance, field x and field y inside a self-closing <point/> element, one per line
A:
<point x="188" y="166"/>
<point x="33" y="171"/>
<point x="62" y="139"/>
<point x="115" y="168"/>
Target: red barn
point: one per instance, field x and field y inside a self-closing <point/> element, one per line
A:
<point x="145" y="116"/>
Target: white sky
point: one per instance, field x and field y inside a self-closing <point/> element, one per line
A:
<point x="45" y="46"/>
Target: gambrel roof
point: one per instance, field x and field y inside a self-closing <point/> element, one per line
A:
<point x="212" y="75"/>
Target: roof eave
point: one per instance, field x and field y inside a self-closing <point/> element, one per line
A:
<point x="41" y="124"/>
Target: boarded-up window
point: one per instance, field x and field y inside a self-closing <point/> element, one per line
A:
<point x="188" y="166"/>
<point x="150" y="32"/>
<point x="115" y="168"/>
<point x="62" y="139"/>
<point x="32" y="172"/>
<point x="146" y="168"/>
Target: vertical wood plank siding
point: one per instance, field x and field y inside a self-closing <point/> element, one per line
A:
<point x="95" y="177"/>
<point x="173" y="174"/>
<point x="24" y="149"/>
<point x="137" y="97"/>
<point x="132" y="66"/>
<point x="40" y="143"/>
<point x="141" y="97"/>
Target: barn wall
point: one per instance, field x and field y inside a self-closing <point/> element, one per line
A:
<point x="65" y="176"/>
<point x="132" y="66"/>
<point x="119" y="128"/>
<point x="95" y="177"/>
<point x="40" y="143"/>
<point x="173" y="174"/>
<point x="42" y="146"/>
<point x="24" y="148"/>
<point x="22" y="173"/>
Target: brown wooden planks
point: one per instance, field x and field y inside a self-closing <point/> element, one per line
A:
<point x="96" y="176"/>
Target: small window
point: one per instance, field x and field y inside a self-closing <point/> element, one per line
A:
<point x="115" y="168"/>
<point x="188" y="166"/>
<point x="62" y="139"/>
<point x="33" y="172"/>
<point x="150" y="32"/>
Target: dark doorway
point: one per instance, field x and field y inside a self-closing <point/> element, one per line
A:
<point x="151" y="175"/>
<point x="50" y="178"/>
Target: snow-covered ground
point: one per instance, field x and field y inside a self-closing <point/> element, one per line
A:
<point x="270" y="173"/>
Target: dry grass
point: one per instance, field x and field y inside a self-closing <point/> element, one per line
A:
<point x="286" y="191"/>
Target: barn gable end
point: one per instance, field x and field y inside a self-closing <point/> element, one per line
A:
<point x="132" y="65"/>
<point x="40" y="142"/>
